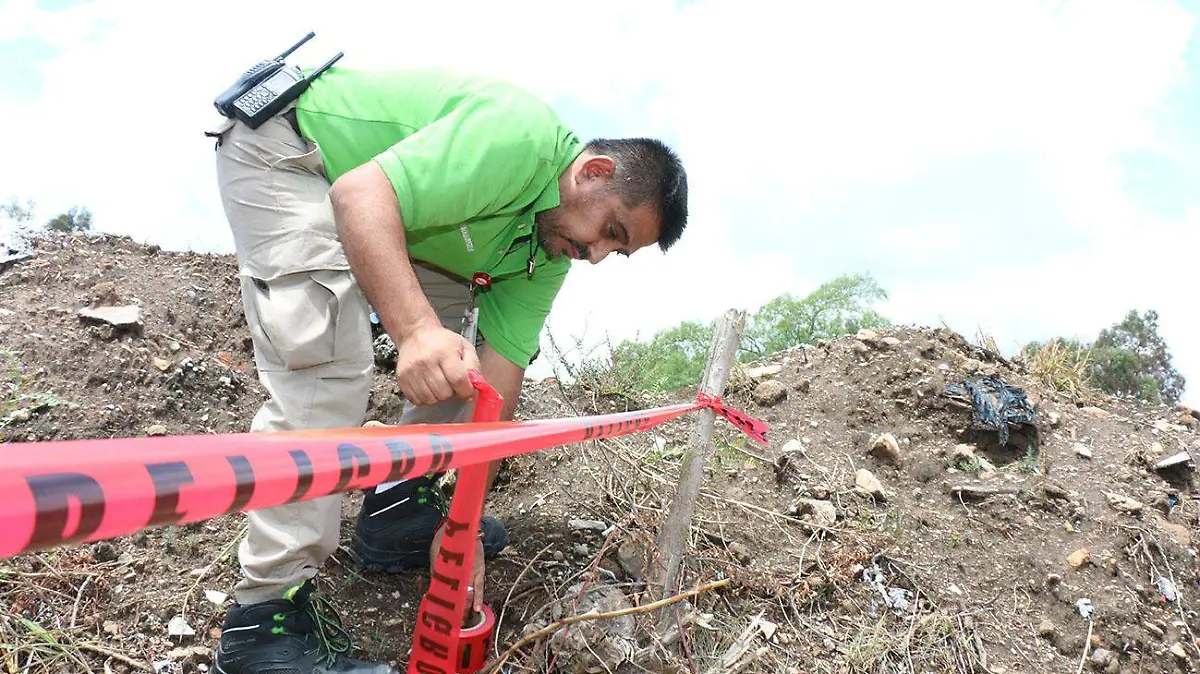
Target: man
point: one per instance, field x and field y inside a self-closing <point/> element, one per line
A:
<point x="420" y="195"/>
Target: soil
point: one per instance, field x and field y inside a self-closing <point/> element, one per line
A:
<point x="945" y="551"/>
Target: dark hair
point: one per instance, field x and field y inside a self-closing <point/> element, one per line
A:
<point x="647" y="170"/>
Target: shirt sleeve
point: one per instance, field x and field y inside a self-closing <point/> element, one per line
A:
<point x="476" y="161"/>
<point x="513" y="311"/>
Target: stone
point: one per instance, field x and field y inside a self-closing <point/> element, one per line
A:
<point x="868" y="336"/>
<point x="740" y="551"/>
<point x="1123" y="503"/>
<point x="1079" y="558"/>
<point x="631" y="555"/>
<point x="588" y="525"/>
<point x="127" y="316"/>
<point x="866" y="482"/>
<point x="1047" y="629"/>
<point x="1095" y="412"/>
<point x="1101" y="657"/>
<point x="770" y="392"/>
<point x="156" y="429"/>
<point x="1183" y="458"/>
<point x="803" y="385"/>
<point x="1178" y="651"/>
<point x="103" y="293"/>
<point x="1082" y="450"/>
<point x="891" y="342"/>
<point x="1053" y="419"/>
<point x="764" y="371"/>
<point x="821" y="514"/>
<point x="885" y="448"/>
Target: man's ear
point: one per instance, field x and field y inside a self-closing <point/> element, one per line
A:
<point x="598" y="167"/>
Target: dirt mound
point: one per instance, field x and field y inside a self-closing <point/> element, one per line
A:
<point x="882" y="531"/>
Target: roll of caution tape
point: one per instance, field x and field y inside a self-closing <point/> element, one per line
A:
<point x="475" y="641"/>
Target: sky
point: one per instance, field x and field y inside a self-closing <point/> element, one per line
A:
<point x="1016" y="168"/>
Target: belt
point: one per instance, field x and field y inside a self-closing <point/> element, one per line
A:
<point x="290" y="116"/>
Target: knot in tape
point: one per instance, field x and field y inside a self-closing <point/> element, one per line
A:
<point x="755" y="428"/>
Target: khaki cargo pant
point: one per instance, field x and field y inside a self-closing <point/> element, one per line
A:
<point x="311" y="331"/>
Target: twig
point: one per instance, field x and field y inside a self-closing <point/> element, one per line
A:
<point x="78" y="598"/>
<point x="500" y="620"/>
<point x="85" y="646"/>
<point x="557" y="625"/>
<point x="1087" y="642"/>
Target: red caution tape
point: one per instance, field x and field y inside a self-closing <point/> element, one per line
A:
<point x="75" y="491"/>
<point x="435" y="646"/>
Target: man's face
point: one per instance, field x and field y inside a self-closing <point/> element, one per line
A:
<point x="591" y="221"/>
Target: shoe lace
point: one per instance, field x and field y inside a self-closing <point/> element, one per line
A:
<point x="433" y="495"/>
<point x="330" y="637"/>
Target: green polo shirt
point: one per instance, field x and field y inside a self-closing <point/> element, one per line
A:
<point x="471" y="160"/>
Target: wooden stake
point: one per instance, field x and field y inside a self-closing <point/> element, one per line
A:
<point x="672" y="537"/>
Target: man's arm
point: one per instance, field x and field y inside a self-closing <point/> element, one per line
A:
<point x="433" y="361"/>
<point x="506" y="378"/>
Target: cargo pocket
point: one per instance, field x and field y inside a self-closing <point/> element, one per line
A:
<point x="297" y="320"/>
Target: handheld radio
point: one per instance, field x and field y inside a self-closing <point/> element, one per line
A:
<point x="264" y="89"/>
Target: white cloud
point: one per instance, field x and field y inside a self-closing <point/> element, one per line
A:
<point x="779" y="109"/>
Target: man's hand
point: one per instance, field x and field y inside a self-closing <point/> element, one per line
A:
<point x="432" y="364"/>
<point x="475" y="587"/>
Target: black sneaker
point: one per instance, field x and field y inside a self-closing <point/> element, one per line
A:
<point x="394" y="530"/>
<point x="299" y="634"/>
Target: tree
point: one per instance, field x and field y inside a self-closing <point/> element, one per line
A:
<point x="673" y="358"/>
<point x="14" y="211"/>
<point x="1132" y="359"/>
<point x="77" y="219"/>
<point x="676" y="357"/>
<point x="838" y="307"/>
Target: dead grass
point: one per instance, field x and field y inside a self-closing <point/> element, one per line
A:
<point x="1062" y="368"/>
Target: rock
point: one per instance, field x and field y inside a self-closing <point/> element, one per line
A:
<point x="764" y="371"/>
<point x="793" y="445"/>
<point x="156" y="429"/>
<point x="821" y="514"/>
<point x="1178" y="651"/>
<point x="866" y="482"/>
<point x="868" y="336"/>
<point x="885" y="448"/>
<point x="103" y="293"/>
<point x="1101" y="658"/>
<point x="1095" y="412"/>
<point x="193" y="654"/>
<point x="769" y="393"/>
<point x="1183" y="458"/>
<point x="631" y="555"/>
<point x="803" y="385"/>
<point x="1123" y="503"/>
<point x="1053" y="419"/>
<point x="1082" y="450"/>
<point x="127" y="316"/>
<point x="580" y="549"/>
<point x="105" y="552"/>
<point x="1047" y="629"/>
<point x="891" y="342"/>
<point x="162" y="364"/>
<point x="1079" y="558"/>
<point x="112" y="627"/>
<point x="385" y="352"/>
<point x="588" y="525"/>
<point x="740" y="551"/>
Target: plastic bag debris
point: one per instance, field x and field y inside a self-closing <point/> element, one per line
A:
<point x="997" y="405"/>
<point x="1085" y="608"/>
<point x="896" y="598"/>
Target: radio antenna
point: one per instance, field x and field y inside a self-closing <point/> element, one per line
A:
<point x="296" y="46"/>
<point x="325" y="66"/>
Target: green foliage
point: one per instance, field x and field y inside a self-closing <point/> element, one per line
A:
<point x="675" y="358"/>
<point x="838" y="307"/>
<point x="14" y="211"/>
<point x="1130" y="359"/>
<point x="672" y="359"/>
<point x="77" y="219"/>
